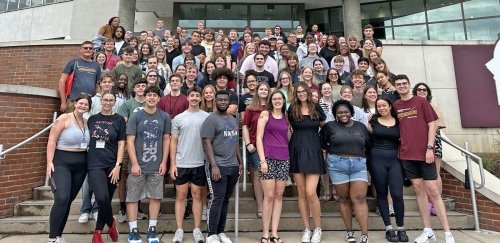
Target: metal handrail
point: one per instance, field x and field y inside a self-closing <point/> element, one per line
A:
<point x="472" y="185"/>
<point x="4" y="153"/>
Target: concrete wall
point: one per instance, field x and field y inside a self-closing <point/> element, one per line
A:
<point x="46" y="22"/>
<point x="147" y="21"/>
<point x="432" y="62"/>
<point x="89" y="15"/>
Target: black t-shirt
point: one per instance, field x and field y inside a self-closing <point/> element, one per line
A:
<point x="171" y="55"/>
<point x="341" y="140"/>
<point x="327" y="54"/>
<point x="110" y="130"/>
<point x="384" y="137"/>
<point x="378" y="43"/>
<point x="266" y="76"/>
<point x="244" y="102"/>
<point x="197" y="50"/>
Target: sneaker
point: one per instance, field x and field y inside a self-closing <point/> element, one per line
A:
<point x="426" y="238"/>
<point x="204" y="213"/>
<point x="364" y="239"/>
<point x="198" y="236"/>
<point x="223" y="238"/>
<point x="97" y="237"/>
<point x="134" y="236"/>
<point x="391" y="211"/>
<point x="391" y="236"/>
<point x="84" y="218"/>
<point x="213" y="239"/>
<point x="94" y="215"/>
<point x="141" y="215"/>
<point x="306" y="235"/>
<point x="152" y="236"/>
<point x="350" y="237"/>
<point x="113" y="232"/>
<point x="122" y="216"/>
<point x="316" y="237"/>
<point x="60" y="240"/>
<point x="449" y="239"/>
<point x="402" y="236"/>
<point x="377" y="211"/>
<point x="178" y="236"/>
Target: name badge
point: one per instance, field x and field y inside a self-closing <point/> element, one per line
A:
<point x="83" y="145"/>
<point x="100" y="144"/>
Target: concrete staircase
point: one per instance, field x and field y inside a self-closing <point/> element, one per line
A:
<point x="33" y="216"/>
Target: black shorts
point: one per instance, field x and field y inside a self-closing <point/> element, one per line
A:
<point x="194" y="175"/>
<point x="415" y="169"/>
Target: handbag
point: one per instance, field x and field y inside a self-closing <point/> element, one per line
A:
<point x="69" y="79"/>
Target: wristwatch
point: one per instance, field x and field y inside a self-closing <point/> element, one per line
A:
<point x="429" y="147"/>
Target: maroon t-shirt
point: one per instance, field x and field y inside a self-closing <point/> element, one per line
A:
<point x="250" y="120"/>
<point x="173" y="105"/>
<point x="414" y="115"/>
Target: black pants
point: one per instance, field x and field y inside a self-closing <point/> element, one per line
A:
<point x="103" y="189"/>
<point x="386" y="172"/>
<point x="70" y="169"/>
<point x="220" y="192"/>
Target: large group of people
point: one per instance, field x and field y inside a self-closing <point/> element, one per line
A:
<point x="313" y="108"/>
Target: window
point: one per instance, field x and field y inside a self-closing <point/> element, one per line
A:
<point x="483" y="29"/>
<point x="411" y="32"/>
<point x="408" y="12"/>
<point x="447" y="31"/>
<point x="481" y="8"/>
<point x="439" y="10"/>
<point x="376" y="14"/>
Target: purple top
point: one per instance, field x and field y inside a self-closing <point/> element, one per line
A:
<point x="275" y="138"/>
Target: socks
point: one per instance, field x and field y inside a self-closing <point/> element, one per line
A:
<point x="388" y="227"/>
<point x="132" y="225"/>
<point x="401" y="228"/>
<point x="152" y="222"/>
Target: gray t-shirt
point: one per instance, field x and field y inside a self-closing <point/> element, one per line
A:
<point x="189" y="144"/>
<point x="149" y="130"/>
<point x="224" y="132"/>
<point x="85" y="78"/>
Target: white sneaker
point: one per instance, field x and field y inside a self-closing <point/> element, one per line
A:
<point x="198" y="236"/>
<point x="60" y="240"/>
<point x="224" y="238"/>
<point x="449" y="239"/>
<point x="391" y="211"/>
<point x="426" y="238"/>
<point x="204" y="213"/>
<point x="141" y="215"/>
<point x="122" y="216"/>
<point x="94" y="215"/>
<point x="350" y="237"/>
<point x="213" y="239"/>
<point x="306" y="236"/>
<point x="179" y="235"/>
<point x="84" y="218"/>
<point x="316" y="237"/>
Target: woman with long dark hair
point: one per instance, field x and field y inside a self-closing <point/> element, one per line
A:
<point x="108" y="29"/>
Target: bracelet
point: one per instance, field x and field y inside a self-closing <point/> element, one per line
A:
<point x="247" y="144"/>
<point x="119" y="164"/>
<point x="263" y="161"/>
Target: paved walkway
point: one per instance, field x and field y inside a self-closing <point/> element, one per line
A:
<point x="461" y="236"/>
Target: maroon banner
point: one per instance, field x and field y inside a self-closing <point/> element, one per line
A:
<point x="477" y="90"/>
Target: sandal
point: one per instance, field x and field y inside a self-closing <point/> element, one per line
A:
<point x="335" y="197"/>
<point x="275" y="239"/>
<point x="264" y="240"/>
<point x="325" y="197"/>
<point x="259" y="214"/>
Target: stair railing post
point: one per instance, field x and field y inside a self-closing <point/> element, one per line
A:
<point x="1" y="156"/>
<point x="472" y="189"/>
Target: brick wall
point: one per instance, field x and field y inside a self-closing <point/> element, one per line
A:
<point x="38" y="66"/>
<point x="20" y="117"/>
<point x="488" y="211"/>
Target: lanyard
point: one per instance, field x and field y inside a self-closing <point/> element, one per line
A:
<point x="80" y="128"/>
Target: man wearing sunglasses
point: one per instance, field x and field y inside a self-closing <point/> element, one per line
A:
<point x="86" y="74"/>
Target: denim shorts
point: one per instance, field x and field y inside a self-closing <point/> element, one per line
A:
<point x="346" y="169"/>
<point x="253" y="160"/>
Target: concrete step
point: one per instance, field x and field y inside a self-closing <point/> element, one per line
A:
<point x="44" y="193"/>
<point x="247" y="205"/>
<point x="247" y="223"/>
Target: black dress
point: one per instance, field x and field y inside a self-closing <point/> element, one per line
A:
<point x="305" y="151"/>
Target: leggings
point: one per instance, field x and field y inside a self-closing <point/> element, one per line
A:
<point x="103" y="191"/>
<point x="70" y="169"/>
<point x="220" y="192"/>
<point x="386" y="172"/>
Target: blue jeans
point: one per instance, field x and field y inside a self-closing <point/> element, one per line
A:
<point x="87" y="206"/>
<point x="343" y="169"/>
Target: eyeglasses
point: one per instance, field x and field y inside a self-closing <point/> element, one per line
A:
<point x="152" y="76"/>
<point x="422" y="90"/>
<point x="108" y="101"/>
<point x="87" y="48"/>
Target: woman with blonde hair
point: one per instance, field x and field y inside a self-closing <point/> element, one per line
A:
<point x="208" y="101"/>
<point x="307" y="77"/>
<point x="285" y="85"/>
<point x="354" y="46"/>
<point x="163" y="68"/>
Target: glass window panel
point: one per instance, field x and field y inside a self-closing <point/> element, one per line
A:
<point x="408" y="12"/>
<point x="412" y="32"/>
<point x="439" y="10"/>
<point x="229" y="24"/>
<point x="191" y="11"/>
<point x="3" y="5"/>
<point x="481" y="8"/>
<point x="387" y="32"/>
<point x="36" y="2"/>
<point x="24" y="3"/>
<point x="447" y="31"/>
<point x="375" y="14"/>
<point x="185" y="23"/>
<point x="336" y="20"/>
<point x="12" y="5"/>
<point x="483" y="29"/>
<point x="319" y="17"/>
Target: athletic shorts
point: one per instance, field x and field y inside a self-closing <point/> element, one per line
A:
<point x="343" y="169"/>
<point x="194" y="175"/>
<point x="415" y="169"/>
<point x="144" y="186"/>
